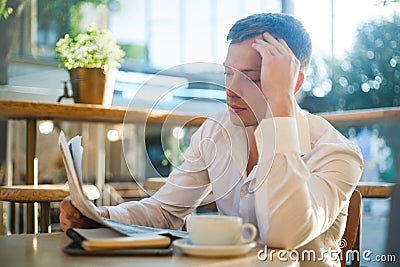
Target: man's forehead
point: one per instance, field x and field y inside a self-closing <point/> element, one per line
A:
<point x="242" y="56"/>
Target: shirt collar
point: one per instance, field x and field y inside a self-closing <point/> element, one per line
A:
<point x="238" y="134"/>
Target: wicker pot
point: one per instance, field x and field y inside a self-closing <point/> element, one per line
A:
<point x="93" y="86"/>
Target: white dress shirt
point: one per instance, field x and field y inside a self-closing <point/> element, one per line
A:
<point x="297" y="194"/>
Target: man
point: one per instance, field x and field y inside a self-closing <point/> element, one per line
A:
<point x="278" y="167"/>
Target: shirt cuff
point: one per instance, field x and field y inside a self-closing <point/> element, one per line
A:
<point x="118" y="214"/>
<point x="279" y="134"/>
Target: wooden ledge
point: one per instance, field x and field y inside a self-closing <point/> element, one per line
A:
<point x="42" y="193"/>
<point x="13" y="109"/>
<point x="367" y="189"/>
<point x="375" y="189"/>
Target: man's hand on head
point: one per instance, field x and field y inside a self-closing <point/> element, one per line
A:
<point x="279" y="74"/>
<point x="70" y="217"/>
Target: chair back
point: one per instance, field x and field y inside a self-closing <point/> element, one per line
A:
<point x="352" y="234"/>
<point x="393" y="241"/>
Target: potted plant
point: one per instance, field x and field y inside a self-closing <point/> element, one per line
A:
<point x="92" y="59"/>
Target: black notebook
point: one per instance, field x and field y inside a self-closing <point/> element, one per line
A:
<point x="107" y="242"/>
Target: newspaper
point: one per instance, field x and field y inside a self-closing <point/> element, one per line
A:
<point x="72" y="153"/>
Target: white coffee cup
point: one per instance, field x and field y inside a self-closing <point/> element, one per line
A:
<point x="217" y="230"/>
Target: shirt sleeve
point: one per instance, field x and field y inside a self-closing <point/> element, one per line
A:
<point x="185" y="188"/>
<point x="295" y="202"/>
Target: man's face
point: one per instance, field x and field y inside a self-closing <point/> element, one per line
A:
<point x="245" y="100"/>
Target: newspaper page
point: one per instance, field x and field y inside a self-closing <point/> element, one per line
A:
<point x="72" y="153"/>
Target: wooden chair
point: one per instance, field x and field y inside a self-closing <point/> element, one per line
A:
<point x="351" y="235"/>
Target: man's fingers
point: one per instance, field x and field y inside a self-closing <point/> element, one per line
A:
<point x="69" y="209"/>
<point x="267" y="46"/>
<point x="285" y="45"/>
<point x="279" y="44"/>
<point x="70" y="217"/>
<point x="65" y="223"/>
<point x="262" y="49"/>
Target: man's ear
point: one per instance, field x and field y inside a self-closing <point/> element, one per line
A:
<point x="299" y="83"/>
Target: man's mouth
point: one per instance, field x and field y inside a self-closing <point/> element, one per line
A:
<point x="235" y="108"/>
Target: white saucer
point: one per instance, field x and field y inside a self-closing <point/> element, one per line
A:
<point x="189" y="248"/>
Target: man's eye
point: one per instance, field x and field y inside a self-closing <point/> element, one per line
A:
<point x="253" y="80"/>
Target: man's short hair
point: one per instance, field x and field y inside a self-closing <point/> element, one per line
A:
<point x="278" y="25"/>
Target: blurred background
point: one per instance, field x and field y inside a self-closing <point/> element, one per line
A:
<point x="355" y="66"/>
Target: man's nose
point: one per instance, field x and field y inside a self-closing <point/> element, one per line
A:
<point x="231" y="92"/>
<point x="233" y="86"/>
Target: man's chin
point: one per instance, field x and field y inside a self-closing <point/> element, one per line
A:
<point x="237" y="120"/>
